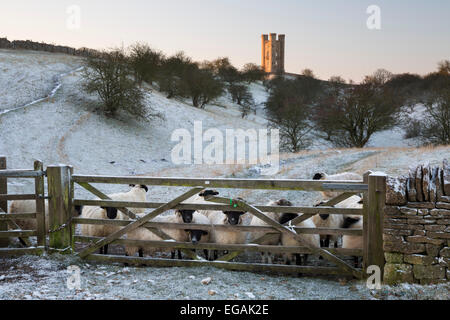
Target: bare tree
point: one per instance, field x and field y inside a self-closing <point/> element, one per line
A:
<point x="436" y="124"/>
<point x="349" y="115"/>
<point x="444" y="67"/>
<point x="289" y="110"/>
<point x="145" y="62"/>
<point x="109" y="75"/>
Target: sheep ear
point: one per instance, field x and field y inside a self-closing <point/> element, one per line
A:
<point x="319" y="176"/>
<point x="143" y="186"/>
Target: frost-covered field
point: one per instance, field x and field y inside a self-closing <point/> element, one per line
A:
<point x="68" y="129"/>
<point x="45" y="278"/>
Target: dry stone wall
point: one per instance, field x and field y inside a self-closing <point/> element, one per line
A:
<point x="417" y="226"/>
<point x="41" y="46"/>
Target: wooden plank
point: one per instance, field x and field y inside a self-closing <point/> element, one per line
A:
<point x="140" y="222"/>
<point x="16" y="216"/>
<point x="330" y="186"/>
<point x="10" y="252"/>
<point x="377" y="202"/>
<point x="318" y="251"/>
<point x="23" y="173"/>
<point x="14" y="226"/>
<point x="192" y="226"/>
<point x="338" y="199"/>
<point x="101" y="195"/>
<point x="154" y="262"/>
<point x="130" y="214"/>
<point x="17" y="233"/>
<point x="219" y="207"/>
<point x="3" y="202"/>
<point x="365" y="219"/>
<point x="217" y="246"/>
<point x="39" y="190"/>
<point x="59" y="205"/>
<point x="11" y="197"/>
<point x="281" y="184"/>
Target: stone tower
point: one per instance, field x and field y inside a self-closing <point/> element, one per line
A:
<point x="272" y="59"/>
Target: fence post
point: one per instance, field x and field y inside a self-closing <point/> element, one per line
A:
<point x="373" y="247"/>
<point x="71" y="197"/>
<point x="40" y="205"/>
<point x="60" y="207"/>
<point x="4" y="242"/>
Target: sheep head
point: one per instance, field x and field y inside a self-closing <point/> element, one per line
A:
<point x="319" y="176"/>
<point x="196" y="235"/>
<point x="142" y="186"/>
<point x="186" y="215"/>
<point x="233" y="217"/>
<point x="111" y="213"/>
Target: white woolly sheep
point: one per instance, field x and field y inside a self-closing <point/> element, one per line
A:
<point x="199" y="236"/>
<point x="335" y="220"/>
<point x="275" y="240"/>
<point x="200" y="199"/>
<point x="288" y="241"/>
<point x="142" y="233"/>
<point x="29" y="206"/>
<point x="224" y="236"/>
<point x="137" y="193"/>
<point x="353" y="242"/>
<point x="339" y="176"/>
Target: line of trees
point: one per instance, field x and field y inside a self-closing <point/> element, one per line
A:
<point x="348" y="114"/>
<point x="116" y="76"/>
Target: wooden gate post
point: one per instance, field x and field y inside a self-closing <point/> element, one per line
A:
<point x="60" y="207"/>
<point x="40" y="205"/>
<point x="373" y="223"/>
<point x="4" y="242"/>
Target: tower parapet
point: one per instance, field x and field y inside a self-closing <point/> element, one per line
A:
<point x="273" y="50"/>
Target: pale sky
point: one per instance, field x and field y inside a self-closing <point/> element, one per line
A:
<point x="328" y="36"/>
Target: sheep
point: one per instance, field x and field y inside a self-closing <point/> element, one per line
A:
<point x="288" y="241"/>
<point x="339" y="176"/>
<point x="335" y="220"/>
<point x="137" y="193"/>
<point x="353" y="242"/>
<point x="200" y="199"/>
<point x="223" y="236"/>
<point x="266" y="257"/>
<point x="328" y="221"/>
<point x="91" y="212"/>
<point x="29" y="206"/>
<point x="199" y="236"/>
<point x="142" y="233"/>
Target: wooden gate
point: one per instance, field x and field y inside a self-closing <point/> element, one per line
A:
<point x="373" y="188"/>
<point x="62" y="237"/>
<point x="8" y="225"/>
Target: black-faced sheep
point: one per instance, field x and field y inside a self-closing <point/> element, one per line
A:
<point x="288" y="241"/>
<point x="200" y="199"/>
<point x="233" y="218"/>
<point x="266" y="257"/>
<point x="136" y="194"/>
<point x="199" y="236"/>
<point x="339" y="176"/>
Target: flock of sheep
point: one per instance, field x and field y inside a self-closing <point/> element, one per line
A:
<point x="137" y="193"/>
